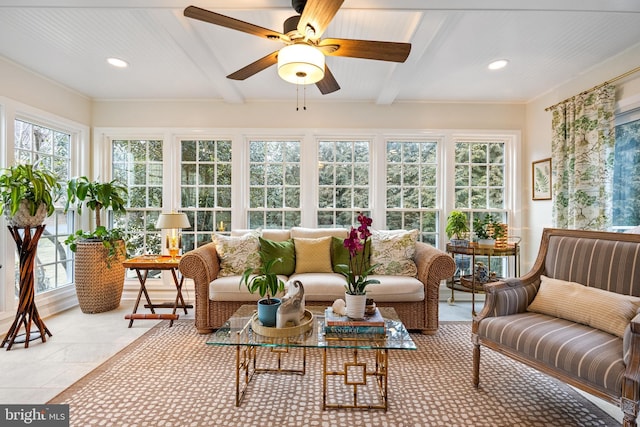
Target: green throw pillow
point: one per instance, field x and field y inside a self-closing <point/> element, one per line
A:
<point x="340" y="254"/>
<point x="284" y="250"/>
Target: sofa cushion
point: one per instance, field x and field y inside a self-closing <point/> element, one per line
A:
<point x="396" y="289"/>
<point x="228" y="288"/>
<point x="313" y="255"/>
<point x="329" y="287"/>
<point x="604" y="310"/>
<point x="314" y="233"/>
<point x="275" y="234"/>
<point x="340" y="254"/>
<point x="394" y="251"/>
<point x="585" y="353"/>
<point x="321" y="286"/>
<point x="237" y="253"/>
<point x="284" y="250"/>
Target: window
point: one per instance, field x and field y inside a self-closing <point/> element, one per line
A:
<point x="412" y="197"/>
<point x="138" y="165"/>
<point x="480" y="186"/>
<point x="343" y="182"/>
<point x="205" y="189"/>
<point x="626" y="174"/>
<point x="274" y="184"/>
<point x="50" y="148"/>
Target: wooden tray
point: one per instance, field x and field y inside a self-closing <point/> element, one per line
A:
<point x="467" y="282"/>
<point x="290" y="331"/>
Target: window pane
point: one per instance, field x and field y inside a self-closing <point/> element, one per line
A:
<point x="205" y="188"/>
<point x="51" y="148"/>
<point x="140" y="165"/>
<point x="411" y="186"/>
<point x="274" y="183"/>
<point x="343" y="181"/>
<point x="626" y="176"/>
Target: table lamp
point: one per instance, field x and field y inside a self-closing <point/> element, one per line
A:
<point x="173" y="222"/>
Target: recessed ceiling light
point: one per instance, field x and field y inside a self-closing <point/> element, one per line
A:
<point x="117" y="62"/>
<point x="500" y="63"/>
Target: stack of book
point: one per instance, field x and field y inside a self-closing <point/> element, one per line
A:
<point x="336" y="324"/>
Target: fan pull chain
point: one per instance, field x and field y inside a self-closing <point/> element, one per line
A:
<point x="304" y="97"/>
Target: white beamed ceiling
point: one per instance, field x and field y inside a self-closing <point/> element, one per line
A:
<point x="171" y="57"/>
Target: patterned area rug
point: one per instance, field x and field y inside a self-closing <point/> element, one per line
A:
<point x="169" y="377"/>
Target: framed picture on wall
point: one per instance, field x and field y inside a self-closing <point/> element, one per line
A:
<point x="541" y="179"/>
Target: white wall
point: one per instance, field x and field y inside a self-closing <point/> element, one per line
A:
<point x="38" y="92"/>
<point x="536" y="215"/>
<point x="320" y="114"/>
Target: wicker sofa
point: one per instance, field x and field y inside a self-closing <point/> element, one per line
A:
<point x="573" y="316"/>
<point x="415" y="298"/>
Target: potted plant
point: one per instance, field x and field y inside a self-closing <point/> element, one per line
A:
<point x="267" y="283"/>
<point x="357" y="273"/>
<point x="457" y="227"/>
<point x="486" y="230"/>
<point x="27" y="194"/>
<point x="99" y="274"/>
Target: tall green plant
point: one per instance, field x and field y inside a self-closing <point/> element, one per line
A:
<point x="96" y="196"/>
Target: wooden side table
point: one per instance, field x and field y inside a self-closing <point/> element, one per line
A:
<point x="142" y="265"/>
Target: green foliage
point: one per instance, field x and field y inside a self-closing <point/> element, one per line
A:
<point x="96" y="196"/>
<point x="265" y="282"/>
<point x="457" y="224"/>
<point x="109" y="240"/>
<point x="488" y="227"/>
<point x="30" y="183"/>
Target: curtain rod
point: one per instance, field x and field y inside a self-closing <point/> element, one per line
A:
<point x="615" y="79"/>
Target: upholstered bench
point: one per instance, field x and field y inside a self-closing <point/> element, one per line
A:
<point x="573" y="316"/>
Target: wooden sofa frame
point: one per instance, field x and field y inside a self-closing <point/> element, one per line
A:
<point x="513" y="296"/>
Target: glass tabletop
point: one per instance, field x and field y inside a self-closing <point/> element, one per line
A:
<point x="237" y="331"/>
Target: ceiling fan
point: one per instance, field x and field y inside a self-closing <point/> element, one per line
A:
<point x="302" y="60"/>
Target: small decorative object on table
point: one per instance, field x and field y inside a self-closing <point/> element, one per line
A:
<point x="292" y="307"/>
<point x="357" y="271"/>
<point x="481" y="272"/>
<point x="370" y="307"/>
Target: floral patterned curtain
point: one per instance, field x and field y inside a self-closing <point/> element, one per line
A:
<point x="582" y="157"/>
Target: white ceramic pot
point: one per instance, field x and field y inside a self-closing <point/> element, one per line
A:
<point x="486" y="243"/>
<point x="355" y="305"/>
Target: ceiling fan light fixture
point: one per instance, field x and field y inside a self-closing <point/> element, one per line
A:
<point x="301" y="63"/>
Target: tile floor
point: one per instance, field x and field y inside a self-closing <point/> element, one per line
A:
<point x="81" y="342"/>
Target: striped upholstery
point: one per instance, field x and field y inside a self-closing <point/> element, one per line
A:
<point x="580" y="351"/>
<point x="606" y="264"/>
<point x="593" y="360"/>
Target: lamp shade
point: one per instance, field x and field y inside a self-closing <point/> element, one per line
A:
<point x="173" y="220"/>
<point x="301" y="63"/>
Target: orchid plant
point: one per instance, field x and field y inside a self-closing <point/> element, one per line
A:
<point x="355" y="273"/>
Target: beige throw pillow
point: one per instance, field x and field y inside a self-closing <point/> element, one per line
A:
<point x="313" y="255"/>
<point x="393" y="251"/>
<point x="600" y="309"/>
<point x="237" y="253"/>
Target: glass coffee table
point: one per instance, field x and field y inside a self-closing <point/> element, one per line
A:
<point x="349" y="365"/>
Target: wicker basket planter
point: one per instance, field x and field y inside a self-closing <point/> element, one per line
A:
<point x="99" y="282"/>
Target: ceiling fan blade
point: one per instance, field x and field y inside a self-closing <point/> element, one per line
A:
<point x="255" y="67"/>
<point x="328" y="83"/>
<point x="235" y="24"/>
<point x="318" y="14"/>
<point x="366" y="49"/>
